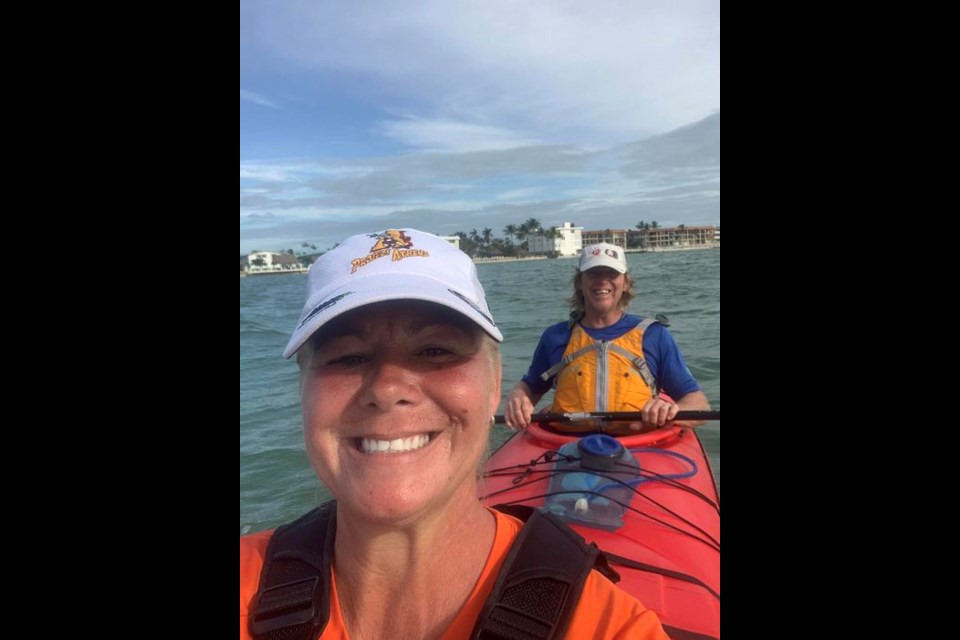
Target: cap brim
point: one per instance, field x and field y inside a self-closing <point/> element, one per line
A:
<point x="367" y="290"/>
<point x="604" y="261"/>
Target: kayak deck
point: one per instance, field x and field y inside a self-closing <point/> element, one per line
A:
<point x="656" y="510"/>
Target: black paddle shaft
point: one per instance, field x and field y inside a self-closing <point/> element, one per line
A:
<point x="613" y="416"/>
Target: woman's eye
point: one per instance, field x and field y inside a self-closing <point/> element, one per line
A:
<point x="346" y="361"/>
<point x="436" y="352"/>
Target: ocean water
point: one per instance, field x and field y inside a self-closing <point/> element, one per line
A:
<point x="276" y="480"/>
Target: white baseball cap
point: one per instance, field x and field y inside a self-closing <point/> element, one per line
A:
<point x="603" y="255"/>
<point x="394" y="264"/>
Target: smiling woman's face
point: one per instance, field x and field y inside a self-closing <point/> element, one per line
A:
<point x="397" y="399"/>
<point x="602" y="289"/>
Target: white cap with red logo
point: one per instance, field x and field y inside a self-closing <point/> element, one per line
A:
<point x="603" y="255"/>
<point x="394" y="264"/>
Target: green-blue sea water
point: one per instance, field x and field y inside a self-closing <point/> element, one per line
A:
<point x="277" y="483"/>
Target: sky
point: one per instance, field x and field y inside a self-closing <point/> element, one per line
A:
<point x="452" y="115"/>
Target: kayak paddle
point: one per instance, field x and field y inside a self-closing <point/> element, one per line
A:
<point x="613" y="416"/>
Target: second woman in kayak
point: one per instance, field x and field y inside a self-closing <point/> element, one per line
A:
<point x="605" y="359"/>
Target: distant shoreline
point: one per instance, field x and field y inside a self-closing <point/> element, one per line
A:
<point x="698" y="247"/>
<point x="244" y="274"/>
<point x="507" y="259"/>
<point x="499" y="259"/>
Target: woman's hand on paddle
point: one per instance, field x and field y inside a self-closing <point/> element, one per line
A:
<point x="519" y="408"/>
<point x="658" y="412"/>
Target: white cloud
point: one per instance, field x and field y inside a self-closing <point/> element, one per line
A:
<point x="249" y="96"/>
<point x="447" y="135"/>
<point x="518" y="194"/>
<point x="555" y="70"/>
<point x="447" y="114"/>
<point x="265" y="173"/>
<point x="672" y="178"/>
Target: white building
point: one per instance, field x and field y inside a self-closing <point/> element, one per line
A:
<point x="269" y="262"/>
<point x="454" y="240"/>
<point x="569" y="242"/>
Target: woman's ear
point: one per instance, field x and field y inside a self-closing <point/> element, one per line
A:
<point x="495" y="392"/>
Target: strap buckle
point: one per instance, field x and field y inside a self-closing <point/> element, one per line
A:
<point x="508" y="623"/>
<point x="286" y="605"/>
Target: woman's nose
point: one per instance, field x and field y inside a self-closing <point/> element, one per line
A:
<point x="389" y="384"/>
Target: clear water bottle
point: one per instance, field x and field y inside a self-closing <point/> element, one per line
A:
<point x="591" y="482"/>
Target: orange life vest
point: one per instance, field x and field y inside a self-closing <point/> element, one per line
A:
<point x="602" y="375"/>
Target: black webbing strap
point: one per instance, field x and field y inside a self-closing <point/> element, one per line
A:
<point x="540" y="582"/>
<point x="676" y="575"/>
<point x="293" y="602"/>
<point x="682" y="634"/>
<point x="533" y="599"/>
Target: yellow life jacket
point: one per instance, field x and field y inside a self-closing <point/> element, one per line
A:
<point x="602" y="375"/>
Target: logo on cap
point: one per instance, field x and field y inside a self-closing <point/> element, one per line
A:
<point x="391" y="242"/>
<point x="608" y="252"/>
<point x="391" y="239"/>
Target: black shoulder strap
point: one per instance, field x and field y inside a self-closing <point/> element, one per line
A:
<point x="293" y="602"/>
<point x="533" y="599"/>
<point x="541" y="580"/>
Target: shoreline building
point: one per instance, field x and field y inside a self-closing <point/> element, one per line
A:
<point x="619" y="237"/>
<point x="657" y="238"/>
<point x="568" y="240"/>
<point x="454" y="240"/>
<point x="269" y="262"/>
<point x="681" y="237"/>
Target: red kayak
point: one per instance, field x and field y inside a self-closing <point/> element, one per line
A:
<point x="648" y="501"/>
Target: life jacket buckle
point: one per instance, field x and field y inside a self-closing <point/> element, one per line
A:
<point x="285" y="605"/>
<point x="509" y="623"/>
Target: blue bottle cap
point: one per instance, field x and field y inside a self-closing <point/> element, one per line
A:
<point x="600" y="446"/>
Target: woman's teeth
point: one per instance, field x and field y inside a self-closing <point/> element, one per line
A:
<point x="400" y="445"/>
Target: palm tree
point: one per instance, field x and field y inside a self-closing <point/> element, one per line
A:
<point x="642" y="235"/>
<point x="467" y="245"/>
<point x="501" y="247"/>
<point x="530" y="227"/>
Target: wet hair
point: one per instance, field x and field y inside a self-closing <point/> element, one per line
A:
<point x="577" y="305"/>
